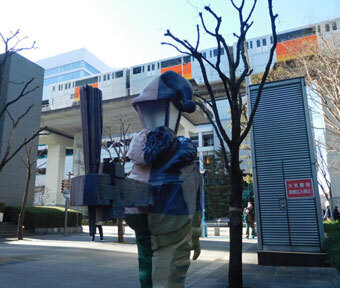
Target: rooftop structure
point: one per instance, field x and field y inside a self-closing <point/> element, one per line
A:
<point x="68" y="66"/>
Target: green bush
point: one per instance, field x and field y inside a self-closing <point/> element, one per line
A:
<point x="331" y="226"/>
<point x="332" y="248"/>
<point x="43" y="217"/>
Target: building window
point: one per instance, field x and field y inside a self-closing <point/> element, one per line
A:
<point x="327" y="27"/>
<point x="258" y="43"/>
<point x="334" y="26"/>
<point x="194" y="140"/>
<point x="208" y="140"/>
<point x="264" y="42"/>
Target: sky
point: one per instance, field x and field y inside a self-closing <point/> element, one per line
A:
<point x="123" y="33"/>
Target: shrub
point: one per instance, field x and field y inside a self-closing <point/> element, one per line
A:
<point x="331" y="226"/>
<point x="43" y="217"/>
<point x="332" y="248"/>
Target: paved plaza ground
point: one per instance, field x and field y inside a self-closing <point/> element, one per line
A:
<point x="73" y="261"/>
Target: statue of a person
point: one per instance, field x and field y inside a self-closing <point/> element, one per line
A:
<point x="167" y="231"/>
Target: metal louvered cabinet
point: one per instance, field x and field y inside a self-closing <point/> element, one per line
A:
<point x="287" y="203"/>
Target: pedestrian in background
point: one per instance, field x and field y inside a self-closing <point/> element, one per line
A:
<point x="250" y="212"/>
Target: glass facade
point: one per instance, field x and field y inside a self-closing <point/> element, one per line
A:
<point x="65" y="77"/>
<point x="71" y="66"/>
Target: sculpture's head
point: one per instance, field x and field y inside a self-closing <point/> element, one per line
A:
<point x="162" y="101"/>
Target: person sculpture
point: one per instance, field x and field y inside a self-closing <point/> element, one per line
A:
<point x="169" y="229"/>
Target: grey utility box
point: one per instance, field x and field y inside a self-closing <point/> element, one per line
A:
<point x="288" y="212"/>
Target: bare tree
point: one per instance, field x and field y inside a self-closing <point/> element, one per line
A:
<point x="29" y="162"/>
<point x="232" y="85"/>
<point x="120" y="144"/>
<point x="11" y="46"/>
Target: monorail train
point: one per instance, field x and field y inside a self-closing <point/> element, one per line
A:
<point x="130" y="81"/>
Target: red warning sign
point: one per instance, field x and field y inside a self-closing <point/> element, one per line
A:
<point x="299" y="188"/>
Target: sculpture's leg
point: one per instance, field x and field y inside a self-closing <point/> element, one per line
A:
<point x="139" y="223"/>
<point x="171" y="263"/>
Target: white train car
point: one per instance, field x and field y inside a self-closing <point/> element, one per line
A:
<point x="113" y="84"/>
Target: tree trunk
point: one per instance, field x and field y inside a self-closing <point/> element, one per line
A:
<point x="20" y="231"/>
<point x="120" y="230"/>
<point x="235" y="228"/>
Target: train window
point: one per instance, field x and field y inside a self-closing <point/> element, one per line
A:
<point x="72" y="84"/>
<point x="113" y="75"/>
<point x="271" y="39"/>
<point x="53" y="88"/>
<point x="264" y="42"/>
<point x="99" y="78"/>
<point x="193" y="59"/>
<point x="258" y="43"/>
<point x="251" y="44"/>
<point x="104" y="77"/>
<point x="72" y="96"/>
<point x="108" y="76"/>
<point x="327" y="27"/>
<point x="149" y="67"/>
<point x="319" y="29"/>
<point x="296" y="34"/>
<point x="186" y="59"/>
<point x="216" y="52"/>
<point x="153" y="67"/>
<point x="69" y="85"/>
<point x="334" y="26"/>
<point x="137" y="70"/>
<point x="158" y="65"/>
<point x="210" y="53"/>
<point x="65" y="86"/>
<point x="247" y="45"/>
<point x="171" y="62"/>
<point x="205" y="54"/>
<point x="142" y="68"/>
<point x="86" y="81"/>
<point x="119" y="74"/>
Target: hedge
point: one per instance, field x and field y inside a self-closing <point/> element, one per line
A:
<point x="331" y="244"/>
<point x="43" y="217"/>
